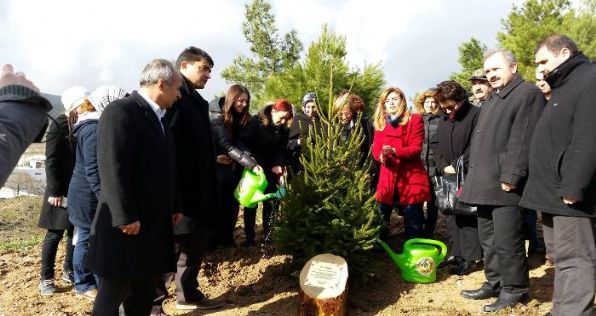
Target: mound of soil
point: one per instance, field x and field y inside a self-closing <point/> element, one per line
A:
<point x="257" y="281"/>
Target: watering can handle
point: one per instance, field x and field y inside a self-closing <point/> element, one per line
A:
<point x="431" y="242"/>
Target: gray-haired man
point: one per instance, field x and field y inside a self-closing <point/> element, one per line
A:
<point x="131" y="243"/>
<point x="496" y="177"/>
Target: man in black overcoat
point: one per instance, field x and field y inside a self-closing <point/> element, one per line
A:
<point x="562" y="177"/>
<point x="496" y="176"/>
<point x="196" y="180"/>
<point x="131" y="243"/>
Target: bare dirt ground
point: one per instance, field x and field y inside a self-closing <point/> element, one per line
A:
<point x="252" y="281"/>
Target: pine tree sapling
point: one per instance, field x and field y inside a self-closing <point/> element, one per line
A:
<point x="329" y="207"/>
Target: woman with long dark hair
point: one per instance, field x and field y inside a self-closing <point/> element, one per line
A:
<point x="403" y="182"/>
<point x="266" y="137"/>
<point x="227" y="127"/>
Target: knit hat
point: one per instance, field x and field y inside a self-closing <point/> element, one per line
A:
<point x="309" y="97"/>
<point x="73" y="97"/>
<point x="104" y="95"/>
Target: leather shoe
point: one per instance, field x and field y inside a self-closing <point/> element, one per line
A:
<point x="479" y="294"/>
<point x="464" y="268"/>
<point x="449" y="261"/>
<point x="501" y="303"/>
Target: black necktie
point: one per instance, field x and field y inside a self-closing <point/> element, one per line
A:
<point x="164" y="124"/>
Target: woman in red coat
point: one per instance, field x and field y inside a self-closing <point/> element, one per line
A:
<point x="397" y="144"/>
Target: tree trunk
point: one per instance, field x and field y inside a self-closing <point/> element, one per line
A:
<point x="323" y="286"/>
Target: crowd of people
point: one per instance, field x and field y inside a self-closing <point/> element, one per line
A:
<point x="142" y="183"/>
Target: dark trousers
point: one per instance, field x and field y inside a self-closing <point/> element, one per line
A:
<point x="229" y="214"/>
<point x="530" y="232"/>
<point x="502" y="240"/>
<point x="135" y="295"/>
<point x="413" y="220"/>
<point x="463" y="237"/>
<point x="190" y="251"/>
<point x="571" y="242"/>
<point x="250" y="218"/>
<point x="49" y="249"/>
<point x="432" y="214"/>
<point x="430" y="221"/>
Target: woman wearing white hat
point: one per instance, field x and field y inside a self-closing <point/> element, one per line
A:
<point x="84" y="189"/>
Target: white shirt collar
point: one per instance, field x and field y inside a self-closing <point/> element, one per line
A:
<point x="156" y="109"/>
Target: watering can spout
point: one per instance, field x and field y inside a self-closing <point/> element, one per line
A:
<point x="395" y="257"/>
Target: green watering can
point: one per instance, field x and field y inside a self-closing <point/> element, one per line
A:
<point x="418" y="263"/>
<point x="251" y="188"/>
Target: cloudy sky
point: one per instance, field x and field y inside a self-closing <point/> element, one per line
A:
<point x="61" y="43"/>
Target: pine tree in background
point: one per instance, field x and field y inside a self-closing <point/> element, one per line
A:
<point x="470" y="58"/>
<point x="329" y="50"/>
<point x="270" y="53"/>
<point x="329" y="207"/>
<point x="529" y="24"/>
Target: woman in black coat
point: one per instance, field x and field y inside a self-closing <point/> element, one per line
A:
<point x="451" y="141"/>
<point x="227" y="126"/>
<point x="349" y="108"/>
<point x="59" y="164"/>
<point x="266" y="139"/>
<point x="431" y="114"/>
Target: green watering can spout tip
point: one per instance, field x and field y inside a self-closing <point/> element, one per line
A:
<point x="395" y="257"/>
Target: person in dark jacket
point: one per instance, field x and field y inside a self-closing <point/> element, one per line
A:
<point x="131" y="243"/>
<point x="301" y="124"/>
<point x="496" y="176"/>
<point x="22" y="117"/>
<point x="54" y="217"/>
<point x="266" y="139"/>
<point x="83" y="192"/>
<point x="84" y="189"/>
<point x="425" y="104"/>
<point x="481" y="88"/>
<point x="450" y="142"/>
<point x="227" y="127"/>
<point x="196" y="180"/>
<point x="348" y="108"/>
<point x="562" y="176"/>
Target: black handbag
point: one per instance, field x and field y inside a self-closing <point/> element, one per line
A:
<point x="447" y="189"/>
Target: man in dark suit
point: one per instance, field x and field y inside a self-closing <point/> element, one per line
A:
<point x="496" y="176"/>
<point x="196" y="179"/>
<point x="131" y="243"/>
<point x="562" y="177"/>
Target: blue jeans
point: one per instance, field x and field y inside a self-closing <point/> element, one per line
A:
<point x="413" y="220"/>
<point x="84" y="279"/>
